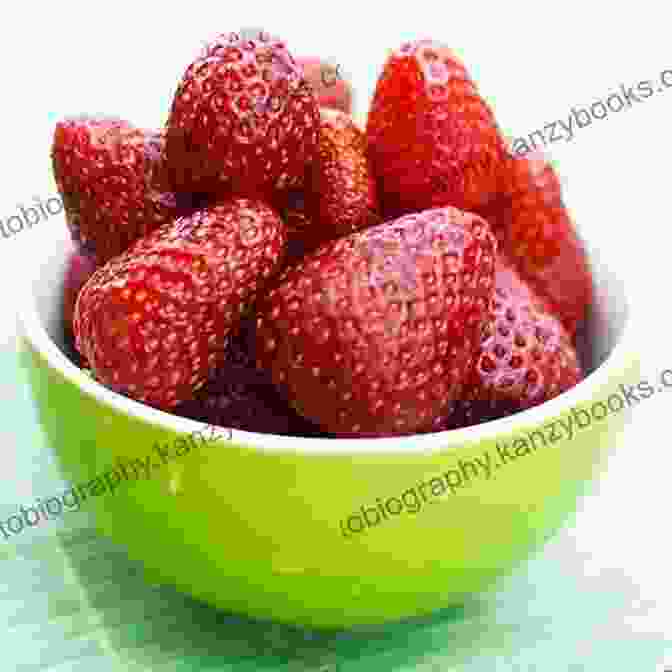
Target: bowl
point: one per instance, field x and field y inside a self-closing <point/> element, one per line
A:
<point x="327" y="533"/>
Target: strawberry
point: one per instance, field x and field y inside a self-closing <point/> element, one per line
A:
<point x="536" y="233"/>
<point x="154" y="322"/>
<point x="373" y="333"/>
<point x="241" y="397"/>
<point x="341" y="191"/>
<point x="80" y="268"/>
<point x="526" y="355"/>
<point x="340" y="194"/>
<point x="244" y="120"/>
<point x="433" y="140"/>
<point x="331" y="89"/>
<point x="110" y="175"/>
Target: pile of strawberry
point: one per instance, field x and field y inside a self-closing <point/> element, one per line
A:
<point x="264" y="263"/>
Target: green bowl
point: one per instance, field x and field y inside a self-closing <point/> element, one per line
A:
<point x="326" y="532"/>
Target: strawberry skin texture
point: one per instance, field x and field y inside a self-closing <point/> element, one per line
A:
<point x="433" y="141"/>
<point x="526" y="355"/>
<point x="110" y="175"/>
<point x="536" y="233"/>
<point x="244" y="120"/>
<point x="330" y="88"/>
<point x="154" y="322"/>
<point x="340" y="196"/>
<point x="342" y="191"/>
<point x="374" y="333"/>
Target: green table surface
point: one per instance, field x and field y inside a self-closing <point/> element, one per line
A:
<point x="71" y="601"/>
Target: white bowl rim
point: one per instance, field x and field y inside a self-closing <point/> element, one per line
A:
<point x="36" y="334"/>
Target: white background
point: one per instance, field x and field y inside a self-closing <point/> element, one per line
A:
<point x="533" y="62"/>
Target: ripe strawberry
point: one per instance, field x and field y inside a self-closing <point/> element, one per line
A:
<point x="244" y="120"/>
<point x="341" y="192"/>
<point x="80" y="268"/>
<point x="373" y="333"/>
<point x="526" y="355"/>
<point x="241" y="397"/>
<point x="340" y="195"/>
<point x="536" y="233"/>
<point x="433" y="140"/>
<point x="331" y="89"/>
<point x="109" y="174"/>
<point x="153" y="322"/>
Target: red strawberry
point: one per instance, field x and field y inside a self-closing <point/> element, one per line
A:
<point x="330" y="87"/>
<point x="244" y="120"/>
<point x="373" y="334"/>
<point x="241" y="397"/>
<point x="341" y="191"/>
<point x="153" y="322"/>
<point x="110" y="176"/>
<point x="536" y="232"/>
<point x="79" y="269"/>
<point x="526" y="355"/>
<point x="433" y="140"/>
<point x="340" y="196"/>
